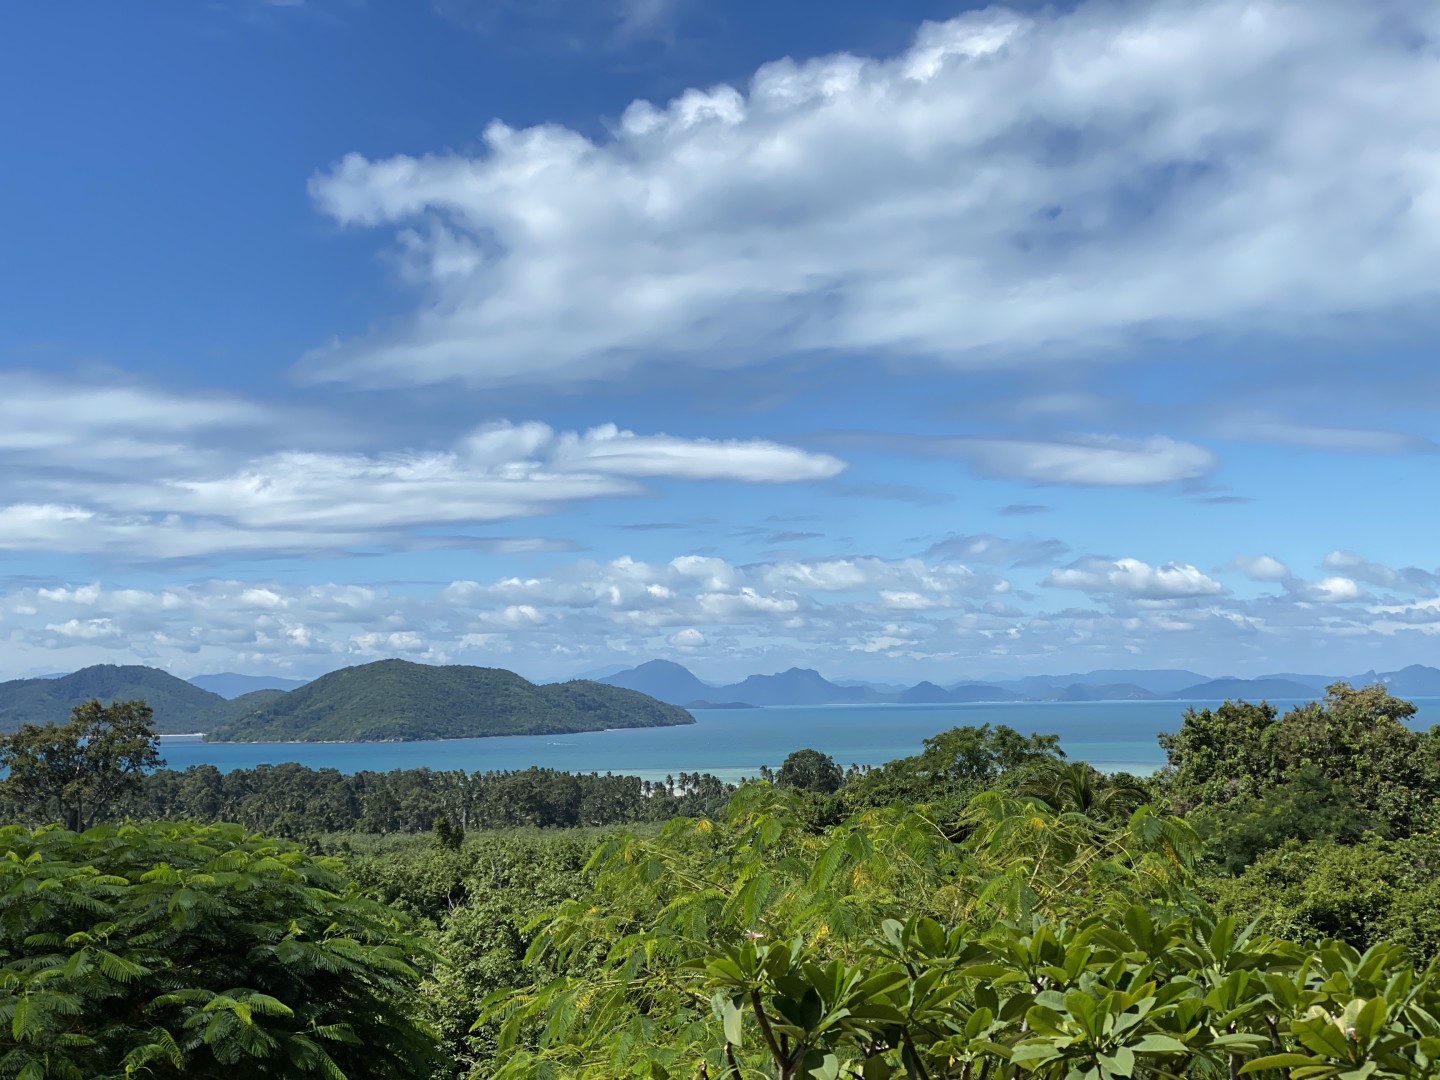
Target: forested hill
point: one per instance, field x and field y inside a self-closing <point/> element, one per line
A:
<point x="179" y="706"/>
<point x="398" y="700"/>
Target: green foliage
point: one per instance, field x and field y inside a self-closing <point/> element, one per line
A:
<point x="72" y="773"/>
<point x="176" y="950"/>
<point x="1077" y="788"/>
<point x="1380" y="772"/>
<point x="1038" y="943"/>
<point x="810" y="770"/>
<point x="1308" y="805"/>
<point x="659" y="907"/>
<point x="396" y="699"/>
<point x="954" y="766"/>
<point x="1373" y="892"/>
<point x="447" y="836"/>
<point x="505" y="882"/>
<point x="296" y="801"/>
<point x="179" y="706"/>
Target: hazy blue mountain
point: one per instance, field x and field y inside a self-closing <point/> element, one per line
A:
<point x="178" y="705"/>
<point x="798" y="686"/>
<point x="397" y="700"/>
<point x="925" y="693"/>
<point x="968" y="692"/>
<point x="664" y="681"/>
<point x="1317" y="683"/>
<point x="674" y="683"/>
<point x="721" y="705"/>
<point x="1031" y="686"/>
<point x="879" y="688"/>
<point x="230" y="685"/>
<point x="602" y="672"/>
<point x="1249" y="689"/>
<point x="1105" y="692"/>
<point x="1162" y="682"/>
<point x="1417" y="680"/>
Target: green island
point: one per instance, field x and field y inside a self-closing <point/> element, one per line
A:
<point x="384" y="701"/>
<point x="1267" y="906"/>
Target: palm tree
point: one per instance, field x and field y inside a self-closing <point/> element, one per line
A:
<point x="1076" y="788"/>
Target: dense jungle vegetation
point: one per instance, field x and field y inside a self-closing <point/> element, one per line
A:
<point x="1267" y="906"/>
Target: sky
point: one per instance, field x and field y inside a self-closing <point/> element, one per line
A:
<point x="900" y="341"/>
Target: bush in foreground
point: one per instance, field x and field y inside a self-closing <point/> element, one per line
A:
<point x="197" y="951"/>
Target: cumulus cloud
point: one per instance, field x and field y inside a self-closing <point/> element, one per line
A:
<point x="1011" y="182"/>
<point x="725" y="619"/>
<point x="1135" y="579"/>
<point x="1334" y="590"/>
<point x="690" y="605"/>
<point x="1359" y="568"/>
<point x="1260" y="567"/>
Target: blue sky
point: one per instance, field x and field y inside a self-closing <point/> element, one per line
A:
<point x="914" y="341"/>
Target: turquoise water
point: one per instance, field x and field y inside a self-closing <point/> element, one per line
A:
<point x="733" y="743"/>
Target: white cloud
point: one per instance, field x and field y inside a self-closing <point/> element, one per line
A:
<point x="1319" y="437"/>
<point x="1335" y="590"/>
<point x="998" y="550"/>
<point x="1261" y="567"/>
<point x="1079" y="460"/>
<point x="691" y="605"/>
<point x="608" y="450"/>
<point x="724" y="619"/>
<point x="1135" y="579"/>
<point x="1355" y="566"/>
<point x="308" y="500"/>
<point x="910" y="601"/>
<point x="1010" y="183"/>
<point x="95" y="422"/>
<point x="86" y="629"/>
<point x="1098" y="461"/>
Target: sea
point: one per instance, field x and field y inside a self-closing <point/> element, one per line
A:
<point x="734" y="743"/>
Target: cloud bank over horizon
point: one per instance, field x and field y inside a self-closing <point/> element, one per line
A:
<point x="915" y="618"/>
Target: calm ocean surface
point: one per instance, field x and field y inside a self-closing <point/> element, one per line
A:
<point x="733" y="743"/>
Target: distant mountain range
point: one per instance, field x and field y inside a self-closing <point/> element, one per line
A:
<point x="395" y="699"/>
<point x="229" y="685"/>
<point x="386" y="700"/>
<point x="676" y="684"/>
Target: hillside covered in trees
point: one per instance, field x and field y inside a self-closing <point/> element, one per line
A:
<point x="385" y="700"/>
<point x="395" y="699"/>
<point x="1267" y="906"/>
<point x="179" y="706"/>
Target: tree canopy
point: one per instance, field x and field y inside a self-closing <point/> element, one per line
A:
<point x="72" y="773"/>
<point x="180" y="950"/>
<point x="1354" y="743"/>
